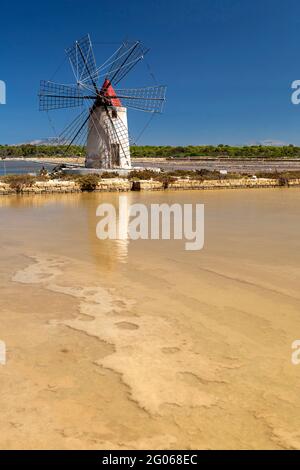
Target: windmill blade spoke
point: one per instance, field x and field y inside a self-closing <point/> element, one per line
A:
<point x="82" y="60"/>
<point x="149" y="99"/>
<point x="130" y="64"/>
<point x="127" y="57"/>
<point x="80" y="133"/>
<point x="57" y="96"/>
<point x="76" y="131"/>
<point x="108" y="65"/>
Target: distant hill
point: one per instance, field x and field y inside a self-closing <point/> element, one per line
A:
<point x="271" y="143"/>
<point x="48" y="141"/>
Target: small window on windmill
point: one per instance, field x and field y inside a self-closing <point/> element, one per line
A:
<point x="114" y="114"/>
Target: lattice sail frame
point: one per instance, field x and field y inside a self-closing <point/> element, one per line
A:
<point x="126" y="57"/>
<point x="76" y="132"/>
<point x="82" y="60"/>
<point x="149" y="99"/>
<point x="59" y="96"/>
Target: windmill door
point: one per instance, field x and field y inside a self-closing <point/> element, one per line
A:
<point x="115" y="154"/>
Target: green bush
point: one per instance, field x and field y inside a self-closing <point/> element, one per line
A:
<point x="282" y="174"/>
<point x="88" y="182"/>
<point x="166" y="180"/>
<point x="112" y="174"/>
<point x="143" y="175"/>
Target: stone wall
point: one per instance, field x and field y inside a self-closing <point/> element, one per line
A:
<point x="295" y="182"/>
<point x="53" y="186"/>
<point x="120" y="184"/>
<point x="5" y="188"/>
<point x="114" y="184"/>
<point x="224" y="183"/>
<point x="147" y="185"/>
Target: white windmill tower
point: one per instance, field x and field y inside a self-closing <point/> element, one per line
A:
<point x="102" y="126"/>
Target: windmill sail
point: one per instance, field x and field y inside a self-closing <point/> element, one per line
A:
<point x="149" y="99"/>
<point x="59" y="96"/>
<point x="82" y="60"/>
<point x="128" y="56"/>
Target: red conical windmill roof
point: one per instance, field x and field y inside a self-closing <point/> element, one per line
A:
<point x="109" y="92"/>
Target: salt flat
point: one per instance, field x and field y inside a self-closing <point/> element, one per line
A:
<point x="142" y="344"/>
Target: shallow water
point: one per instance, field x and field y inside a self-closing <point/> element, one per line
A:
<point x="18" y="167"/>
<point x="142" y="344"/>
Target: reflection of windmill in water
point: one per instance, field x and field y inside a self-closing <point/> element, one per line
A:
<point x="102" y="127"/>
<point x="111" y="251"/>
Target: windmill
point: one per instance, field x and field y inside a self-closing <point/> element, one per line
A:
<point x="102" y="124"/>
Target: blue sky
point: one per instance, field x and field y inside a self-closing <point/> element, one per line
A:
<point x="228" y="65"/>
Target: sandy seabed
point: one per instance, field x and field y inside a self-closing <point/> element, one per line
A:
<point x="143" y="345"/>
